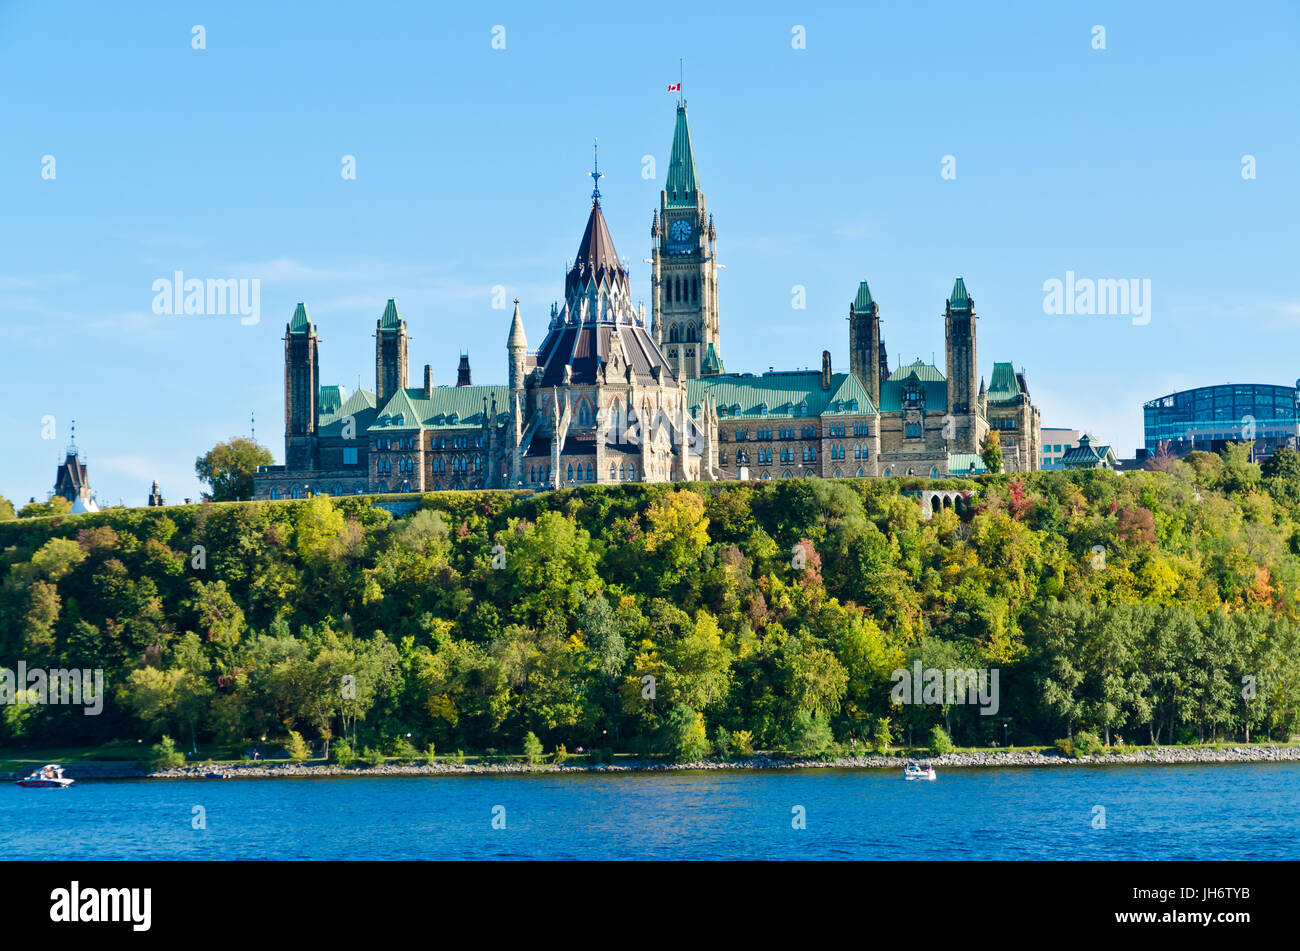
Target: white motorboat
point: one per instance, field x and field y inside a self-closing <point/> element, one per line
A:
<point x="47" y="777"/>
<point x="914" y="770"/>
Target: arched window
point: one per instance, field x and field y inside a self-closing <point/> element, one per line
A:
<point x="690" y="335"/>
<point x="297" y="492"/>
<point x="612" y="470"/>
<point x="622" y="471"/>
<point x="591" y="472"/>
<point x="837" y="474"/>
<point x="861" y="474"/>
<point x="571" y="472"/>
<point x="889" y="471"/>
<point x="338" y="489"/>
<point x="672" y="334"/>
<point x="584" y="414"/>
<point x="934" y="472"/>
<point x="275" y="491"/>
<point x="616" y="416"/>
<point x="631" y="471"/>
<point x="695" y="291"/>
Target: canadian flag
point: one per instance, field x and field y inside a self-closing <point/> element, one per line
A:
<point x="675" y="87"/>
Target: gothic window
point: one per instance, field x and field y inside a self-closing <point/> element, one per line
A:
<point x="383" y="487"/>
<point x="571" y="472"/>
<point x="275" y="492"/>
<point x="690" y="335"/>
<point x="934" y="472"/>
<point x="338" y="489"/>
<point x="911" y="394"/>
<point x="584" y="414"/>
<point x="622" y="474"/>
<point x="631" y="471"/>
<point x="787" y="474"/>
<point x="695" y="291"/>
<point x="591" y="472"/>
<point x="861" y="473"/>
<point x="611" y="472"/>
<point x="837" y="474"/>
<point x="765" y="476"/>
<point x="722" y="458"/>
<point x="616" y="416"/>
<point x="911" y="471"/>
<point x="913" y="430"/>
<point x="889" y="471"/>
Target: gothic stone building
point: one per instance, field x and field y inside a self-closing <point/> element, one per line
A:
<point x="607" y="398"/>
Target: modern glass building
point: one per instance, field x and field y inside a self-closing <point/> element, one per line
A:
<point x="1209" y="417"/>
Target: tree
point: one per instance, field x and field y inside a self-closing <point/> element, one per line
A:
<point x="57" y="505"/>
<point x="228" y="467"/>
<point x="6" y="510"/>
<point x="991" y="452"/>
<point x="532" y="748"/>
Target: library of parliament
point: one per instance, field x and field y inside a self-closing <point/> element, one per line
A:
<point x="608" y="398"/>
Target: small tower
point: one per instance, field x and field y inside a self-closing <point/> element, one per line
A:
<point x="959" y="336"/>
<point x="301" y="390"/>
<point x="390" y="354"/>
<point x="155" y="496"/>
<point x="462" y="372"/>
<point x="517" y="350"/>
<point x="866" y="352"/>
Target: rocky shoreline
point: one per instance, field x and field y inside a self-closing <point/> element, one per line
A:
<point x="1029" y="758"/>
<point x="283" y="769"/>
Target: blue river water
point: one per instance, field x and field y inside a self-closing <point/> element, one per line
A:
<point x="1232" y="811"/>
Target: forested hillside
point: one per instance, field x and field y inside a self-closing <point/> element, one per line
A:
<point x="1160" y="606"/>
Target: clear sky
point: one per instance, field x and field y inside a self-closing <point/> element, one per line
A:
<point x="822" y="166"/>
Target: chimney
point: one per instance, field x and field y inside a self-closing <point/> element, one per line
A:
<point x="826" y="369"/>
<point x="428" y="381"/>
<point x="462" y="372"/>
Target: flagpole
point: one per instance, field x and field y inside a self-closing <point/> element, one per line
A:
<point x="681" y="74"/>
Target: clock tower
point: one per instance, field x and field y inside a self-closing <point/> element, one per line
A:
<point x="685" y="278"/>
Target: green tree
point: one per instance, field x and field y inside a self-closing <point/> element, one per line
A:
<point x="228" y="468"/>
<point x="991" y="452"/>
<point x="532" y="748"/>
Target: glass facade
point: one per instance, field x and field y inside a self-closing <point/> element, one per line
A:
<point x="1218" y="414"/>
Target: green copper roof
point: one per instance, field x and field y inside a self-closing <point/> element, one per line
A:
<point x="959" y="297"/>
<point x="925" y="372"/>
<point x="301" y="323"/>
<point x="331" y="398"/>
<point x="450" y="407"/>
<point x="933" y="384"/>
<point x="681" y="185"/>
<point x="360" y="406"/>
<point x="959" y="463"/>
<point x="712" y="362"/>
<point x="391" y="319"/>
<point x="863" y="301"/>
<point x="1005" y="387"/>
<point x="780" y="396"/>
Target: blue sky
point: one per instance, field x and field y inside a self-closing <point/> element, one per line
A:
<point x="821" y="165"/>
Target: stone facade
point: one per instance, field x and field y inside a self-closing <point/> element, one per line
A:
<point x="607" y="398"/>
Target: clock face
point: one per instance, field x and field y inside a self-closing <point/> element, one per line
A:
<point x="680" y="230"/>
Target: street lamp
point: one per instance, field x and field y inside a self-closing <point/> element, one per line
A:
<point x="1004" y="733"/>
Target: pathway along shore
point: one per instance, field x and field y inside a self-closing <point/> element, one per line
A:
<point x="1016" y="758"/>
